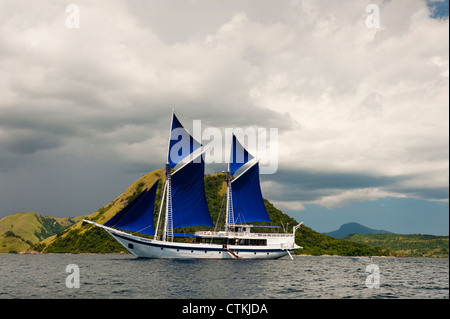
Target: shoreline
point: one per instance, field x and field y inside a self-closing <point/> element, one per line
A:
<point x="33" y="252"/>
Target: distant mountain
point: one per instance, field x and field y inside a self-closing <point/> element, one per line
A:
<point x="354" y="228"/>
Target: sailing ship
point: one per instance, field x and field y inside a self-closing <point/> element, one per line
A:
<point x="184" y="203"/>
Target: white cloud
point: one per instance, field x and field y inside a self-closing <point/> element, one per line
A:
<point x="289" y="205"/>
<point x="342" y="198"/>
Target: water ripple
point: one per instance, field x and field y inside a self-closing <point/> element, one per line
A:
<point x="116" y="276"/>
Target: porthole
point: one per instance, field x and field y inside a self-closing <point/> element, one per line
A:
<point x="130" y="246"/>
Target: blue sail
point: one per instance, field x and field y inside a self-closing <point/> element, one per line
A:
<point x="248" y="204"/>
<point x="181" y="143"/>
<point x="137" y="216"/>
<point x="189" y="206"/>
<point x="239" y="156"/>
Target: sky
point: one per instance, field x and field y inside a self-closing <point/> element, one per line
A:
<point x="359" y="97"/>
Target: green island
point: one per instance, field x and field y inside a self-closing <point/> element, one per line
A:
<point x="413" y="245"/>
<point x="33" y="233"/>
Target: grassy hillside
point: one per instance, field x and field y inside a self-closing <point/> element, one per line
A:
<point x="315" y="243"/>
<point x="20" y="231"/>
<point x="85" y="238"/>
<point x="406" y="245"/>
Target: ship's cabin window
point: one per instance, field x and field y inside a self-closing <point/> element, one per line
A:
<point x="231" y="241"/>
<point x="251" y="242"/>
<point x="209" y="240"/>
<point x="242" y="229"/>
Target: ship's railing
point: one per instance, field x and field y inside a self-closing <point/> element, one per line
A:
<point x="241" y="234"/>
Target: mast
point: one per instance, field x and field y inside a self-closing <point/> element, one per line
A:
<point x="229" y="219"/>
<point x="160" y="210"/>
<point x="167" y="187"/>
<point x="168" y="225"/>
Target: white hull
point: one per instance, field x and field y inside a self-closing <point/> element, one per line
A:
<point x="150" y="248"/>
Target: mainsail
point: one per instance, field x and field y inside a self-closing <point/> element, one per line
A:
<point x="248" y="204"/>
<point x="137" y="216"/>
<point x="245" y="202"/>
<point x="189" y="207"/>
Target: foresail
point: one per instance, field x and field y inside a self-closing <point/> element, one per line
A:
<point x="248" y="203"/>
<point x="181" y="143"/>
<point x="137" y="216"/>
<point x="189" y="207"/>
<point x="239" y="156"/>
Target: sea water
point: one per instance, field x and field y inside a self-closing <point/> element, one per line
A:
<point x="306" y="277"/>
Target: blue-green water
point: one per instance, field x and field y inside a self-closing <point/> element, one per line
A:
<point x="305" y="277"/>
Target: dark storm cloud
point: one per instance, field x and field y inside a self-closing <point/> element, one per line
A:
<point x="29" y="142"/>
